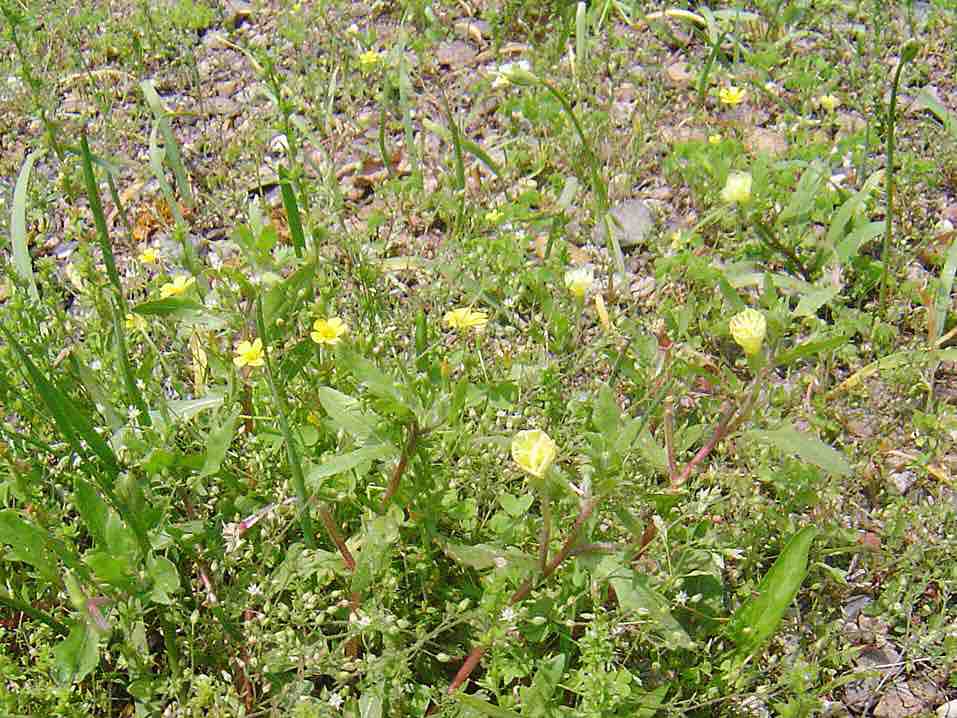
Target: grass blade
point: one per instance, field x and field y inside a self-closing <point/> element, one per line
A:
<point x="18" y="226"/>
<point x="172" y="148"/>
<point x="103" y="235"/>
<point x="292" y="211"/>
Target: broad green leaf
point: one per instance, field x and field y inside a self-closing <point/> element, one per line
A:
<point x="651" y="451"/>
<point x="181" y="309"/>
<point x="378" y="536"/>
<point x="537" y="701"/>
<point x="28" y="543"/>
<point x="850" y="209"/>
<point x="165" y="579"/>
<point x="186" y="409"/>
<point x="120" y="539"/>
<point x="377" y="382"/>
<point x="115" y="570"/>
<point x="347" y="414"/>
<point x="19" y="242"/>
<point x="848" y="247"/>
<point x="605" y="414"/>
<point x="98" y="393"/>
<point x="92" y="509"/>
<point x="484" y="556"/>
<point x="516" y="506"/>
<point x="755" y="621"/>
<point x="809" y="448"/>
<point x="815" y="299"/>
<point x="288" y="298"/>
<point x="217" y="443"/>
<point x="805" y="194"/>
<point x="484" y="707"/>
<point x="650" y="702"/>
<point x="77" y="654"/>
<point x="346" y="462"/>
<point x="634" y="594"/>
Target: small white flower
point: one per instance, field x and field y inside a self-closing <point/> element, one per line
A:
<point x="336" y="701"/>
<point x="509" y="615"/>
<point x="512" y="72"/>
<point x="681" y="598"/>
<point x="254" y="590"/>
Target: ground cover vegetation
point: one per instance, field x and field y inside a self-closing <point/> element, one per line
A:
<point x="477" y="358"/>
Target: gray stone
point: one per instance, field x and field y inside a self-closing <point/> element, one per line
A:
<point x="947" y="710"/>
<point x="631" y="221"/>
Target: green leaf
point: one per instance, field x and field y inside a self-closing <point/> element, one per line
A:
<point x="76" y="655"/>
<point x="468" y="145"/>
<point x="28" y="543"/>
<point x="120" y="540"/>
<point x="116" y="570"/>
<point x="217" y="443"/>
<point x="92" y="509"/>
<point x="605" y="414"/>
<point x="370" y="705"/>
<point x="379" y="535"/>
<point x="848" y="247"/>
<point x="484" y="707"/>
<point x="99" y="218"/>
<point x="754" y="622"/>
<point x="809" y="349"/>
<point x="347" y="414"/>
<point x="805" y="194"/>
<point x="815" y="299"/>
<point x="926" y="99"/>
<point x="169" y="139"/>
<point x="946" y="286"/>
<point x="789" y="440"/>
<point x="850" y="209"/>
<point x="516" y="506"/>
<point x="537" y="699"/>
<point x="348" y="461"/>
<point x="186" y="409"/>
<point x="377" y="382"/>
<point x="634" y="594"/>
<point x="285" y="299"/>
<point x="165" y="579"/>
<point x="291" y="206"/>
<point x="19" y="242"/>
<point x="70" y="421"/>
<point x="484" y="556"/>
<point x="182" y="309"/>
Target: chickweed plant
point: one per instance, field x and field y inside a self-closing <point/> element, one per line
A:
<point x="351" y="416"/>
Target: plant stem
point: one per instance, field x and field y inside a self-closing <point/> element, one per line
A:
<point x="407" y="450"/>
<point x="546" y="534"/>
<point x="298" y="480"/>
<point x="908" y="52"/>
<point x="720" y="431"/>
<point x="669" y="426"/>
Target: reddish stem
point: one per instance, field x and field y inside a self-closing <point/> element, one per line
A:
<point x="330" y="525"/>
<point x="400" y="467"/>
<point x="720" y="431"/>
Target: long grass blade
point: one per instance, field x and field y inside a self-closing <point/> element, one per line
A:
<point x="18" y="226"/>
<point x="291" y="206"/>
<point x="172" y="148"/>
<point x="102" y="233"/>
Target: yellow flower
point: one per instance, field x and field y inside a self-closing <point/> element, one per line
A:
<point x="465" y="318"/>
<point x="149" y="256"/>
<point x="328" y="331"/>
<point x="493" y="216"/>
<point x="249" y="354"/>
<point x="748" y="328"/>
<point x="534" y="451"/>
<point x="369" y="60"/>
<point x="135" y="323"/>
<point x="714" y="139"/>
<point x="829" y="102"/>
<point x="731" y="95"/>
<point x="579" y="281"/>
<point x="177" y="287"/>
<point x="737" y="189"/>
<point x="514" y="73"/>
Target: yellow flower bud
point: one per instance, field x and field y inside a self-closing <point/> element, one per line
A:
<point x="748" y="328"/>
<point x="534" y="451"/>
<point x="579" y="280"/>
<point x="737" y="189"/>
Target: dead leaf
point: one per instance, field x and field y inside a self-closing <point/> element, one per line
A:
<point x="678" y="73"/>
<point x="760" y="140"/>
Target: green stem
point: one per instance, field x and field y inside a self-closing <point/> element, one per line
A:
<point x="908" y="53"/>
<point x="298" y="480"/>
